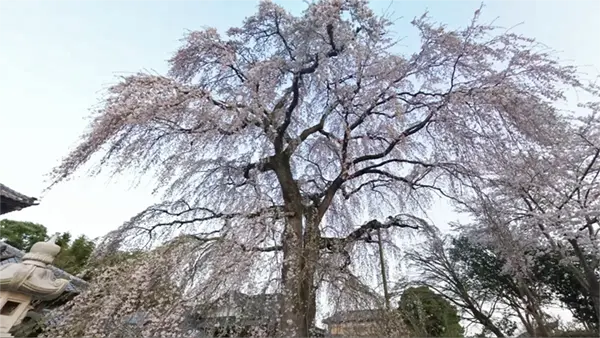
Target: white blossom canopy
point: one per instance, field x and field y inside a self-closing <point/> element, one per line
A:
<point x="269" y="142"/>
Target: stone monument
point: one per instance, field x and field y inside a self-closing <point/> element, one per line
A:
<point x="31" y="279"/>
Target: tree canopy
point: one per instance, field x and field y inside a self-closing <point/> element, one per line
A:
<point x="428" y="314"/>
<point x="74" y="254"/>
<point x="563" y="283"/>
<point x="22" y="235"/>
<point x="270" y="142"/>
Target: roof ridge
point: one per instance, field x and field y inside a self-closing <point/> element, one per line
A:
<point x="16" y="194"/>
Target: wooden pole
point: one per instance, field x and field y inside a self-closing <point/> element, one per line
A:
<point x="386" y="294"/>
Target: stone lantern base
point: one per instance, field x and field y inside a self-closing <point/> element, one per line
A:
<point x="13" y="308"/>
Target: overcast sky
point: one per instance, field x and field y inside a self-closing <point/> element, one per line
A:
<point x="56" y="57"/>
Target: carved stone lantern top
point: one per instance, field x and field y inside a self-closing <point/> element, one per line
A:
<point x="42" y="252"/>
<point x="32" y="276"/>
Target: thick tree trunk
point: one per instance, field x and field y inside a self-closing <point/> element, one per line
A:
<point x="300" y="265"/>
<point x="293" y="309"/>
<point x="299" y="262"/>
<point x="312" y="238"/>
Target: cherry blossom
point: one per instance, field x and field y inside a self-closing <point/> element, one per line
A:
<point x="268" y="142"/>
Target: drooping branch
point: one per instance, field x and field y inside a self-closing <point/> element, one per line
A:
<point x="279" y="33"/>
<point x="414" y="128"/>
<point x="272" y="248"/>
<point x="385" y="178"/>
<point x="337" y="183"/>
<point x="306" y="133"/>
<point x="295" y="90"/>
<point x="275" y="212"/>
<point x="326" y="97"/>
<point x="364" y="232"/>
<point x="407" y="132"/>
<point x="398" y="221"/>
<point x="202" y="238"/>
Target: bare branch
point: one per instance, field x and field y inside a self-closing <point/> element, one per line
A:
<point x="364" y="232"/>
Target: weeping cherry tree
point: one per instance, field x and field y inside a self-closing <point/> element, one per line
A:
<point x="271" y="142"/>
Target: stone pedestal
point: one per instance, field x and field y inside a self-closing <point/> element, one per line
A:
<point x="13" y="308"/>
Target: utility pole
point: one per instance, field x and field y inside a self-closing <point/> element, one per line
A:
<point x="386" y="294"/>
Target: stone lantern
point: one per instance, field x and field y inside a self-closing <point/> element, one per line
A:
<point x="31" y="279"/>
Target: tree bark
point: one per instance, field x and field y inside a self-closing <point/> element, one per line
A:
<point x="293" y="309"/>
<point x="293" y="323"/>
<point x="312" y="239"/>
<point x="536" y="312"/>
<point x="591" y="282"/>
<point x="486" y="321"/>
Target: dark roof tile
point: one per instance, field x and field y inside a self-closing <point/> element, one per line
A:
<point x="12" y="195"/>
<point x="354" y="316"/>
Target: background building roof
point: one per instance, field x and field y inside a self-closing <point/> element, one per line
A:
<point x="248" y="309"/>
<point x="354" y="316"/>
<point x="11" y="200"/>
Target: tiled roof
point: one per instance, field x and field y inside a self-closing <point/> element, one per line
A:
<point x="249" y="309"/>
<point x="12" y="195"/>
<point x="257" y="306"/>
<point x="76" y="284"/>
<point x="354" y="316"/>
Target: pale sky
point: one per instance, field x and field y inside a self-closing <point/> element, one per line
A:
<point x="56" y="57"/>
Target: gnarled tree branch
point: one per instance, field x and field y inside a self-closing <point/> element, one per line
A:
<point x="363" y="233"/>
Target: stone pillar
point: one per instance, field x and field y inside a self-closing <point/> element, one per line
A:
<point x="31" y="279"/>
